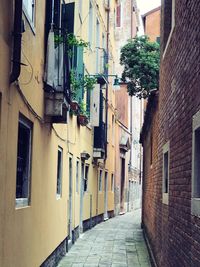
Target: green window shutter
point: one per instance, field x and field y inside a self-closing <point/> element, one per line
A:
<point x="88" y="102"/>
<point x="79" y="69"/>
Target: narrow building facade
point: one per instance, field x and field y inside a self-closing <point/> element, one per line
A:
<point x="170" y="138"/>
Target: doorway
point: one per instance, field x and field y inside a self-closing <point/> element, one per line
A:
<point x="122" y="185"/>
<point x="70" y="200"/>
<point x="81" y="197"/>
<point x="106" y="196"/>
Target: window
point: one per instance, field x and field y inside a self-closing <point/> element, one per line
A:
<point x="118" y="16"/>
<point x="100" y="180"/>
<point x="97" y="45"/>
<point x="90" y="34"/>
<point x="103" y="54"/>
<point x="112" y="182"/>
<point x="169" y="22"/>
<point x="196" y="165"/>
<point x="23" y="175"/>
<point x="29" y="10"/>
<point x="165" y="173"/>
<point x="77" y="176"/>
<point x="108" y="132"/>
<point x="56" y="14"/>
<point x="86" y="178"/>
<point x="59" y="172"/>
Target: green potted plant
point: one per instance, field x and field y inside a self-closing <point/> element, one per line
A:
<point x="75" y="85"/>
<point x="82" y="117"/>
<point x="89" y="82"/>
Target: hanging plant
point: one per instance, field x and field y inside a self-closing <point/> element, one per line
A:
<point x="76" y="84"/>
<point x="89" y="82"/>
<point x="72" y="40"/>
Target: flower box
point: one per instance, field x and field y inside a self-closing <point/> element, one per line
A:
<point x="82" y="120"/>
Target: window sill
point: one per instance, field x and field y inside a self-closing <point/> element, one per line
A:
<point x="195" y="207"/>
<point x="21" y="203"/>
<point x="165" y="198"/>
<point x="58" y="196"/>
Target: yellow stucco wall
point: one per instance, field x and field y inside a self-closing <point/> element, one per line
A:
<point x="29" y="235"/>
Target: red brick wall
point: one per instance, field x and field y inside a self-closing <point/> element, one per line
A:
<point x="122" y="106"/>
<point x="152" y="25"/>
<point x="173" y="232"/>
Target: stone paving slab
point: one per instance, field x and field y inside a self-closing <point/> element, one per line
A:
<point x="117" y="242"/>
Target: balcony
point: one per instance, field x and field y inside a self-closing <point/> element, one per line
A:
<point x="99" y="141"/>
<point x="59" y="22"/>
<point x="57" y="85"/>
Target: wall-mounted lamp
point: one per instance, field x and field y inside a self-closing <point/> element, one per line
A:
<point x="116" y="81"/>
<point x="102" y="79"/>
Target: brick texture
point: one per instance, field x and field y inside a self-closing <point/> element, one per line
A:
<point x="174" y="234"/>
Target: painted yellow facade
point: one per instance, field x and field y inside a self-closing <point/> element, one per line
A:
<point x="29" y="234"/>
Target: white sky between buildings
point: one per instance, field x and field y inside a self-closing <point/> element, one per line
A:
<point x="145" y="6"/>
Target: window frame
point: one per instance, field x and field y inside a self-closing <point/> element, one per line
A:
<point x="118" y="16"/>
<point x="195" y="201"/>
<point x="31" y="21"/>
<point x="59" y="195"/>
<point x="165" y="195"/>
<point x="25" y="201"/>
<point x="112" y="182"/>
<point x="86" y="178"/>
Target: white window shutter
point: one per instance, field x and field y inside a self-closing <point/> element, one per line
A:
<point x="95" y="105"/>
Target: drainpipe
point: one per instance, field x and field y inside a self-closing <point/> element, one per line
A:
<point x="107" y="61"/>
<point x="17" y="36"/>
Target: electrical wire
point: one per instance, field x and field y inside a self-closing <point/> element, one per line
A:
<point x="38" y="117"/>
<point x="26" y="83"/>
<point x="82" y="23"/>
<point x="62" y="139"/>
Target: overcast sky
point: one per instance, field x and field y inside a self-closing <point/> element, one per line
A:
<point x="147" y="5"/>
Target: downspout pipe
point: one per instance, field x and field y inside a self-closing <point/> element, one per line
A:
<point x="107" y="61"/>
<point x="17" y="36"/>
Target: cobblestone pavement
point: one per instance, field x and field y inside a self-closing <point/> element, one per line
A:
<point x="117" y="242"/>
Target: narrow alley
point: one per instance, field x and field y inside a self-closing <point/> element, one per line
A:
<point x="117" y="242"/>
